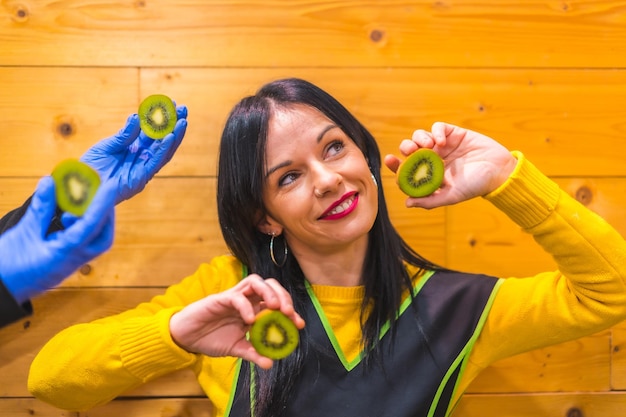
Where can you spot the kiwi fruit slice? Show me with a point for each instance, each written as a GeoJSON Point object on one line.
{"type": "Point", "coordinates": [273, 335]}
{"type": "Point", "coordinates": [421, 174]}
{"type": "Point", "coordinates": [76, 184]}
{"type": "Point", "coordinates": [157, 116]}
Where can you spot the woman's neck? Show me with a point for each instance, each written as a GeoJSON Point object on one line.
{"type": "Point", "coordinates": [342, 268]}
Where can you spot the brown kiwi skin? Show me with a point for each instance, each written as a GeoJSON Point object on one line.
{"type": "Point", "coordinates": [427, 187]}
{"type": "Point", "coordinates": [145, 112]}
{"type": "Point", "coordinates": [263, 320]}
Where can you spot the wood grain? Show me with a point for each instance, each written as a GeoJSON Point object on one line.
{"type": "Point", "coordinates": [322, 33]}
{"type": "Point", "coordinates": [567, 404]}
{"type": "Point", "coordinates": [568, 122]}
{"type": "Point", "coordinates": [523, 405]}
{"type": "Point", "coordinates": [49, 114]}
{"type": "Point", "coordinates": [162, 407]}
{"type": "Point", "coordinates": [618, 357]}
{"type": "Point", "coordinates": [544, 77]}
{"type": "Point", "coordinates": [552, 369]}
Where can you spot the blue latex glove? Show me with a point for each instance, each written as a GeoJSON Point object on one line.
{"type": "Point", "coordinates": [130, 159]}
{"type": "Point", "coordinates": [31, 262]}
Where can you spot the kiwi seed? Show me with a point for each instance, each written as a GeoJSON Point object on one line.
{"type": "Point", "coordinates": [273, 334]}
{"type": "Point", "coordinates": [76, 184]}
{"type": "Point", "coordinates": [421, 174]}
{"type": "Point", "coordinates": [157, 116]}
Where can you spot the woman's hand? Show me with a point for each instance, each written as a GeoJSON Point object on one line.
{"type": "Point", "coordinates": [217, 325]}
{"type": "Point", "coordinates": [475, 164]}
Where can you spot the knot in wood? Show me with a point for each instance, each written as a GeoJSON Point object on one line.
{"type": "Point", "coordinates": [85, 269]}
{"type": "Point", "coordinates": [65, 129]}
{"type": "Point", "coordinates": [20, 14]}
{"type": "Point", "coordinates": [584, 195]}
{"type": "Point", "coordinates": [574, 412]}
{"type": "Point", "coordinates": [377, 35]}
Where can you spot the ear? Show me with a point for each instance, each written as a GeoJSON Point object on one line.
{"type": "Point", "coordinates": [267, 225]}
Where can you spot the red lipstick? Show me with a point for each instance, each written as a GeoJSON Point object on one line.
{"type": "Point", "coordinates": [342, 207]}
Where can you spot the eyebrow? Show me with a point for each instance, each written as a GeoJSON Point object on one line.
{"type": "Point", "coordinates": [277, 167]}
{"type": "Point", "coordinates": [324, 131]}
{"type": "Point", "coordinates": [288, 162]}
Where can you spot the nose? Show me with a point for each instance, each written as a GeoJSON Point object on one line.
{"type": "Point", "coordinates": [325, 179]}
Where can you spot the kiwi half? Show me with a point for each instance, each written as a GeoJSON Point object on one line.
{"type": "Point", "coordinates": [421, 174]}
{"type": "Point", "coordinates": [157, 116]}
{"type": "Point", "coordinates": [273, 335]}
{"type": "Point", "coordinates": [76, 184]}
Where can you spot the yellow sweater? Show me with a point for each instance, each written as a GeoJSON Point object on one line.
{"type": "Point", "coordinates": [90, 364]}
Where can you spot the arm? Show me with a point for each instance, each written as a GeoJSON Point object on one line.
{"type": "Point", "coordinates": [33, 260]}
{"type": "Point", "coordinates": [10, 309]}
{"type": "Point", "coordinates": [126, 162]}
{"type": "Point", "coordinates": [14, 216]}
{"type": "Point", "coordinates": [207, 313]}
{"type": "Point", "coordinates": [587, 292]}
{"type": "Point", "coordinates": [11, 218]}
{"type": "Point", "coordinates": [114, 354]}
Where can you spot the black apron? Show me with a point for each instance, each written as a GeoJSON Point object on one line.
{"type": "Point", "coordinates": [419, 374]}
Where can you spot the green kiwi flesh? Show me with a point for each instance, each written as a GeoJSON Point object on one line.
{"type": "Point", "coordinates": [273, 334]}
{"type": "Point", "coordinates": [421, 174]}
{"type": "Point", "coordinates": [157, 116]}
{"type": "Point", "coordinates": [76, 184]}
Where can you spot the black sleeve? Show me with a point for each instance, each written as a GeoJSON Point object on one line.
{"type": "Point", "coordinates": [10, 309]}
{"type": "Point", "coordinates": [14, 216]}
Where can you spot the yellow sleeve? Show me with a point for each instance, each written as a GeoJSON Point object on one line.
{"type": "Point", "coordinates": [90, 364]}
{"type": "Point", "coordinates": [585, 295]}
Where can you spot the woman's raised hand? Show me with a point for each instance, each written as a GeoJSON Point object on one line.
{"type": "Point", "coordinates": [217, 325]}
{"type": "Point", "coordinates": [474, 163]}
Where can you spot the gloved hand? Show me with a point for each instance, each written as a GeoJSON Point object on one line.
{"type": "Point", "coordinates": [31, 262]}
{"type": "Point", "coordinates": [130, 159]}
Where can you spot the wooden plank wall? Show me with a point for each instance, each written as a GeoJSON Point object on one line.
{"type": "Point", "coordinates": [546, 77]}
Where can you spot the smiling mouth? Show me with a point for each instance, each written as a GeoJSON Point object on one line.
{"type": "Point", "coordinates": [339, 210]}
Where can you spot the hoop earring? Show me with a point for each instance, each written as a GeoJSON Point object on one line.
{"type": "Point", "coordinates": [373, 176]}
{"type": "Point", "coordinates": [280, 265]}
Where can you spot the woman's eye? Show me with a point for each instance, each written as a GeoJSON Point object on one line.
{"type": "Point", "coordinates": [335, 147]}
{"type": "Point", "coordinates": [287, 179]}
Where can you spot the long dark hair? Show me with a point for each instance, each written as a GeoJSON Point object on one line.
{"type": "Point", "coordinates": [240, 205]}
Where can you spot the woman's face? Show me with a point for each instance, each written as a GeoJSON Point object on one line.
{"type": "Point", "coordinates": [318, 189]}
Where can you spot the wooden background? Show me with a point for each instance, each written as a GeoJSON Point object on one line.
{"type": "Point", "coordinates": [544, 77]}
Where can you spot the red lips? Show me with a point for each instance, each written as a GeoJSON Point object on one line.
{"type": "Point", "coordinates": [342, 207]}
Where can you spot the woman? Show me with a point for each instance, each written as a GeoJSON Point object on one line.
{"type": "Point", "coordinates": [387, 333]}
